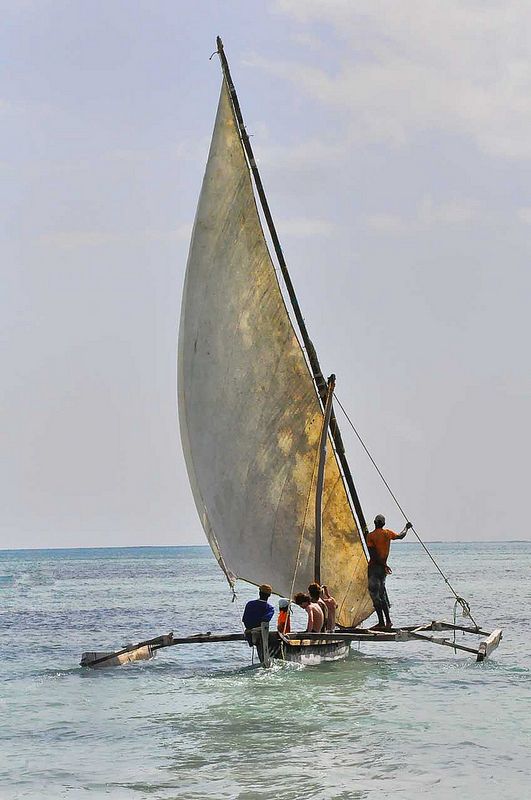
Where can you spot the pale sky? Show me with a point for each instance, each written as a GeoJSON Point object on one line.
{"type": "Point", "coordinates": [394, 141]}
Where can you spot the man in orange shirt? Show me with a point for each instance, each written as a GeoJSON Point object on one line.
{"type": "Point", "coordinates": [378, 544]}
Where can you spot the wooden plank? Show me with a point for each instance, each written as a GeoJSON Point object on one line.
{"type": "Point", "coordinates": [366, 636]}
{"type": "Point", "coordinates": [489, 644]}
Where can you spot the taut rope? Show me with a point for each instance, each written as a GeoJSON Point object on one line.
{"type": "Point", "coordinates": [458, 599]}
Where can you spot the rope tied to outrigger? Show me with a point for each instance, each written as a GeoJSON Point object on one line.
{"type": "Point", "coordinates": [465, 605]}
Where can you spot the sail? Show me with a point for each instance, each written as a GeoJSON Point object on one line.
{"type": "Point", "coordinates": [249, 415]}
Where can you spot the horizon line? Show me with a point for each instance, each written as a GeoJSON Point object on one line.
{"type": "Point", "coordinates": [207, 546]}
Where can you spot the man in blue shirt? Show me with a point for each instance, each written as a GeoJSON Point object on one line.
{"type": "Point", "coordinates": [258, 611]}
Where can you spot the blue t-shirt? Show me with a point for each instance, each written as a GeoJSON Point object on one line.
{"type": "Point", "coordinates": [257, 611]}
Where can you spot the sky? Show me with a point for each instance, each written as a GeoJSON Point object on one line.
{"type": "Point", "coordinates": [394, 142]}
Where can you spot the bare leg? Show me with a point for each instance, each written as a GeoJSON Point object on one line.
{"type": "Point", "coordinates": [381, 623]}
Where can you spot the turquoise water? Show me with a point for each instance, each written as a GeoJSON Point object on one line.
{"type": "Point", "coordinates": [201, 722]}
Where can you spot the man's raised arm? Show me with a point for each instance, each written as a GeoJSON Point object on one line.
{"type": "Point", "coordinates": [402, 534]}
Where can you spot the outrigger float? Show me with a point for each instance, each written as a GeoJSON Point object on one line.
{"type": "Point", "coordinates": [264, 453]}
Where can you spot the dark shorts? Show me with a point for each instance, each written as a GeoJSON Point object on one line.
{"type": "Point", "coordinates": [376, 577]}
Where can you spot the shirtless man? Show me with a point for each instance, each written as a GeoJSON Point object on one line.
{"type": "Point", "coordinates": [314, 611]}
{"type": "Point", "coordinates": [331, 606]}
{"type": "Point", "coordinates": [314, 590]}
{"type": "Point", "coordinates": [378, 543]}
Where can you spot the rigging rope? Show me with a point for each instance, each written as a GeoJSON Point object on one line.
{"type": "Point", "coordinates": [458, 599]}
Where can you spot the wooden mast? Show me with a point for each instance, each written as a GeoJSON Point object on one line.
{"type": "Point", "coordinates": [318, 377]}
{"type": "Point", "coordinates": [320, 479]}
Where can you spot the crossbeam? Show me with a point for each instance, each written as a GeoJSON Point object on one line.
{"type": "Point", "coordinates": [420, 633]}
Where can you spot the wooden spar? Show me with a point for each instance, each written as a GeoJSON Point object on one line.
{"type": "Point", "coordinates": [320, 479]}
{"type": "Point", "coordinates": [157, 643]}
{"type": "Point", "coordinates": [438, 640]}
{"type": "Point", "coordinates": [445, 626]}
{"type": "Point", "coordinates": [206, 638]}
{"type": "Point", "coordinates": [310, 349]}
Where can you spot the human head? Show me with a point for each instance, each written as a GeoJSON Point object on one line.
{"type": "Point", "coordinates": [379, 521]}
{"type": "Point", "coordinates": [264, 591]}
{"type": "Point", "coordinates": [314, 590]}
{"type": "Point", "coordinates": [324, 590]}
{"type": "Point", "coordinates": [301, 599]}
{"type": "Point", "coordinates": [283, 603]}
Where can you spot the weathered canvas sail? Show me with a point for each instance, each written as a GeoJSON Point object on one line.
{"type": "Point", "coordinates": [249, 414]}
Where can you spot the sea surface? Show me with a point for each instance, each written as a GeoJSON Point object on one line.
{"type": "Point", "coordinates": [200, 721]}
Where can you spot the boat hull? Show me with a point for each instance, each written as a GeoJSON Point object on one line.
{"type": "Point", "coordinates": [303, 651]}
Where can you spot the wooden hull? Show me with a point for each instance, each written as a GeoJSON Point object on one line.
{"type": "Point", "coordinates": [303, 651]}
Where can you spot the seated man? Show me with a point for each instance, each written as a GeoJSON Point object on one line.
{"type": "Point", "coordinates": [314, 590]}
{"type": "Point", "coordinates": [257, 611]}
{"type": "Point", "coordinates": [283, 621]}
{"type": "Point", "coordinates": [315, 614]}
{"type": "Point", "coordinates": [331, 606]}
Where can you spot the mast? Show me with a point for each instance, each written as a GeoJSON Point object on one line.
{"type": "Point", "coordinates": [320, 479]}
{"type": "Point", "coordinates": [318, 377]}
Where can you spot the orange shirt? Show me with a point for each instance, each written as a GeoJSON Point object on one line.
{"type": "Point", "coordinates": [379, 542]}
{"type": "Point", "coordinates": [283, 622]}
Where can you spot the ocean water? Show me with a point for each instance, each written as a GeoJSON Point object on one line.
{"type": "Point", "coordinates": [200, 721]}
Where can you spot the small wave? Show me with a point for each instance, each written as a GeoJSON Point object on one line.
{"type": "Point", "coordinates": [31, 579]}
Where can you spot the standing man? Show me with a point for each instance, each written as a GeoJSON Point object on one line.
{"type": "Point", "coordinates": [257, 611]}
{"type": "Point", "coordinates": [378, 543]}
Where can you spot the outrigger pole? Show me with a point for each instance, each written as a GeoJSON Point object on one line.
{"type": "Point", "coordinates": [145, 650]}
{"type": "Point", "coordinates": [317, 373]}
